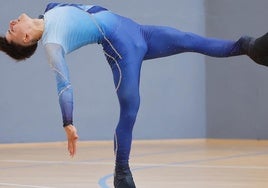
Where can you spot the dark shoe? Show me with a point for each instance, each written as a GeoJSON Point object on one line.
{"type": "Point", "coordinates": [256, 49]}
{"type": "Point", "coordinates": [123, 178]}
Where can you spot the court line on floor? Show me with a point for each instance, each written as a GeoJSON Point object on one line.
{"type": "Point", "coordinates": [186, 164]}
{"type": "Point", "coordinates": [103, 181]}
{"type": "Point", "coordinates": [21, 185]}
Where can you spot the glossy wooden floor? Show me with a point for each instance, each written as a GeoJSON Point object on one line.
{"type": "Point", "coordinates": [155, 164]}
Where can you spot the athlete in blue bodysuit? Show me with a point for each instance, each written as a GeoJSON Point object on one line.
{"type": "Point", "coordinates": [126, 44]}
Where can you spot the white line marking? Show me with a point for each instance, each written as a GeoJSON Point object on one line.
{"type": "Point", "coordinates": [19, 185]}
{"type": "Point", "coordinates": [223, 167]}
{"type": "Point", "coordinates": [137, 165]}
{"type": "Point", "coordinates": [58, 162]}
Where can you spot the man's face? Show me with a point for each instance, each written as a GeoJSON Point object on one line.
{"type": "Point", "coordinates": [18, 29]}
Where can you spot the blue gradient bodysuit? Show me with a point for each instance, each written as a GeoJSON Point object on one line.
{"type": "Point", "coordinates": [126, 44]}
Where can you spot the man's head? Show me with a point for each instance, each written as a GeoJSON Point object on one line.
{"type": "Point", "coordinates": [20, 41]}
{"type": "Point", "coordinates": [21, 31]}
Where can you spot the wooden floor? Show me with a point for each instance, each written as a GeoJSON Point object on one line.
{"type": "Point", "coordinates": [156, 164]}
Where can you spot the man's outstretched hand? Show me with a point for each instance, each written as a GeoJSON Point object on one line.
{"type": "Point", "coordinates": [72, 138]}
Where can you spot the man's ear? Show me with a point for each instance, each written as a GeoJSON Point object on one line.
{"type": "Point", "coordinates": [26, 39]}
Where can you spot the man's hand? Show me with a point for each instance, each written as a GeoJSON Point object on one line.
{"type": "Point", "coordinates": [72, 138]}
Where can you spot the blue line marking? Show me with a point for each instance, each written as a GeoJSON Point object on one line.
{"type": "Point", "coordinates": [103, 180]}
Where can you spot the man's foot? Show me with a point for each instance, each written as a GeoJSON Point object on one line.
{"type": "Point", "coordinates": [123, 178]}
{"type": "Point", "coordinates": [256, 49]}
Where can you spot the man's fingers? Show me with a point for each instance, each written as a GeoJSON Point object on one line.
{"type": "Point", "coordinates": [72, 139]}
{"type": "Point", "coordinates": [72, 145]}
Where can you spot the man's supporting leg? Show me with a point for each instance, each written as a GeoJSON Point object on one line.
{"type": "Point", "coordinates": [129, 100]}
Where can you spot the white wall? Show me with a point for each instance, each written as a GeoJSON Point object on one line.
{"type": "Point", "coordinates": [237, 89]}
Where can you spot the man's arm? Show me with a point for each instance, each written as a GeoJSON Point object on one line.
{"type": "Point", "coordinates": [56, 59]}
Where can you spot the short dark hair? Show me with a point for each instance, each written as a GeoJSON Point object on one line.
{"type": "Point", "coordinates": [16, 51]}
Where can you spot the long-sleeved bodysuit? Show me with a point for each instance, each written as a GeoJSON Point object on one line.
{"type": "Point", "coordinates": [126, 44]}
